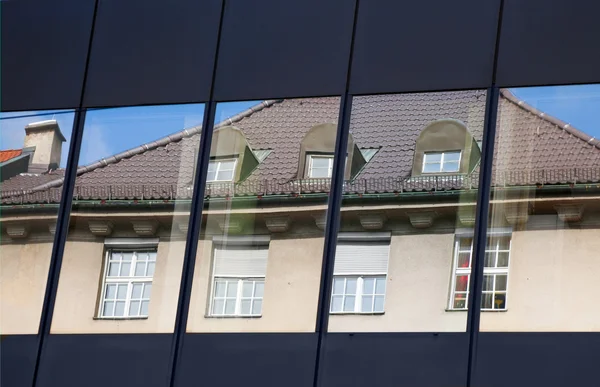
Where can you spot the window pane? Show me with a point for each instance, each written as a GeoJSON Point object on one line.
{"type": "Point", "coordinates": [229, 306]}
{"type": "Point", "coordinates": [145, 305]}
{"type": "Point", "coordinates": [271, 210]}
{"type": "Point", "coordinates": [259, 289]}
{"type": "Point", "coordinates": [351, 286]}
{"type": "Point", "coordinates": [134, 308]}
{"type": "Point", "coordinates": [380, 289]}
{"type": "Point", "coordinates": [451, 167]}
{"type": "Point", "coordinates": [108, 309]}
{"type": "Point", "coordinates": [462, 283]}
{"type": "Point", "coordinates": [349, 304]}
{"type": "Point", "coordinates": [336, 303]}
{"type": "Point", "coordinates": [125, 269]}
{"type": "Point", "coordinates": [232, 289]}
{"type": "Point", "coordinates": [433, 157]}
{"type": "Point", "coordinates": [338, 285]}
{"type": "Point", "coordinates": [225, 176]}
{"type": "Point", "coordinates": [110, 292]}
{"type": "Point", "coordinates": [257, 307]}
{"type": "Point", "coordinates": [501, 282]}
{"type": "Point", "coordinates": [367, 304]}
{"type": "Point", "coordinates": [121, 292]}
{"type": "Point", "coordinates": [131, 200]}
{"type": "Point", "coordinates": [137, 291]}
{"type": "Point", "coordinates": [488, 282]}
{"type": "Point", "coordinates": [247, 289]}
{"type": "Point", "coordinates": [147, 290]}
{"type": "Point", "coordinates": [431, 168]}
{"type": "Point", "coordinates": [414, 222]}
{"type": "Point", "coordinates": [246, 306]}
{"type": "Point", "coordinates": [368, 285]}
{"type": "Point", "coordinates": [219, 289]}
{"type": "Point", "coordinates": [218, 306]}
{"type": "Point", "coordinates": [379, 301]}
{"type": "Point", "coordinates": [503, 259]}
{"type": "Point", "coordinates": [320, 173]}
{"type": "Point", "coordinates": [140, 269]}
{"type": "Point", "coordinates": [119, 308]}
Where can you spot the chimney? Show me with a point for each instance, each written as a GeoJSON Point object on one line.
{"type": "Point", "coordinates": [45, 139]}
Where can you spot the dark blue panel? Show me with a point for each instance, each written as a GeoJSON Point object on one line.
{"type": "Point", "coordinates": [243, 359]}
{"type": "Point", "coordinates": [395, 359]}
{"type": "Point", "coordinates": [17, 359]}
{"type": "Point", "coordinates": [538, 359]}
{"type": "Point", "coordinates": [44, 50]}
{"type": "Point", "coordinates": [115, 360]}
{"type": "Point", "coordinates": [549, 42]}
{"type": "Point", "coordinates": [423, 45]}
{"type": "Point", "coordinates": [284, 49]}
{"type": "Point", "coordinates": [152, 52]}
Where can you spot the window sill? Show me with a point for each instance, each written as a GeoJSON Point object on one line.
{"type": "Point", "coordinates": [483, 310]}
{"type": "Point", "coordinates": [232, 317]}
{"type": "Point", "coordinates": [121, 318]}
{"type": "Point", "coordinates": [356, 314]}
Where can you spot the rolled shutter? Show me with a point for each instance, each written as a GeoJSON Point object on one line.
{"type": "Point", "coordinates": [241, 261]}
{"type": "Point", "coordinates": [353, 258]}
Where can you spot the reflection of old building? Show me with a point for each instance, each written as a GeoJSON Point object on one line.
{"type": "Point", "coordinates": [405, 247]}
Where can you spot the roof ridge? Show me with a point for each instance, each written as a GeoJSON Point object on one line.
{"type": "Point", "coordinates": [594, 142]}
{"type": "Point", "coordinates": [178, 136]}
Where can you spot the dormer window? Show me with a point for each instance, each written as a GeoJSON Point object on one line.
{"type": "Point", "coordinates": [441, 162]}
{"type": "Point", "coordinates": [221, 170]}
{"type": "Point", "coordinates": [320, 166]}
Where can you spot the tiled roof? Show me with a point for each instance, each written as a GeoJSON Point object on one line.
{"type": "Point", "coordinates": [531, 148]}
{"type": "Point", "coordinates": [6, 155]}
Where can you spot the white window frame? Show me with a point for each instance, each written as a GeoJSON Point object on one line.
{"type": "Point", "coordinates": [238, 297]}
{"type": "Point", "coordinates": [218, 168]}
{"type": "Point", "coordinates": [311, 157]}
{"type": "Point", "coordinates": [442, 161]}
{"type": "Point", "coordinates": [493, 271]}
{"type": "Point", "coordinates": [128, 280]}
{"type": "Point", "coordinates": [241, 240]}
{"type": "Point", "coordinates": [358, 296]}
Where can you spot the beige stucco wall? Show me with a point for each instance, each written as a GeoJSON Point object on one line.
{"type": "Point", "coordinates": [79, 284]}
{"type": "Point", "coordinates": [554, 283]}
{"type": "Point", "coordinates": [23, 276]}
{"type": "Point", "coordinates": [291, 290]}
{"type": "Point", "coordinates": [418, 283]}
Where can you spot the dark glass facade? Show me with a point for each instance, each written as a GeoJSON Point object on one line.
{"type": "Point", "coordinates": [306, 193]}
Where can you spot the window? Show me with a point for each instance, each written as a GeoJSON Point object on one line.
{"type": "Point", "coordinates": [364, 294]}
{"type": "Point", "coordinates": [437, 162]}
{"type": "Point", "coordinates": [360, 275]}
{"type": "Point", "coordinates": [239, 280]}
{"type": "Point", "coordinates": [495, 273]}
{"type": "Point", "coordinates": [127, 283]}
{"type": "Point", "coordinates": [320, 166]}
{"type": "Point", "coordinates": [221, 170]}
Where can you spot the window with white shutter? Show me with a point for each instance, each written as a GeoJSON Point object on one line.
{"type": "Point", "coordinates": [360, 275]}
{"type": "Point", "coordinates": [238, 279]}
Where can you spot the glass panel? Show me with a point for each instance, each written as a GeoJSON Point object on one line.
{"type": "Point", "coordinates": [338, 285]}
{"type": "Point", "coordinates": [349, 304]}
{"type": "Point", "coordinates": [108, 309]}
{"type": "Point", "coordinates": [257, 307]}
{"type": "Point", "coordinates": [247, 289]}
{"type": "Point", "coordinates": [111, 291]}
{"type": "Point", "coordinates": [545, 211]}
{"type": "Point", "coordinates": [259, 289]}
{"type": "Point", "coordinates": [351, 286]}
{"type": "Point", "coordinates": [132, 199]}
{"type": "Point", "coordinates": [145, 306]}
{"type": "Point", "coordinates": [267, 224]}
{"type": "Point", "coordinates": [232, 288]}
{"type": "Point", "coordinates": [113, 269]}
{"type": "Point", "coordinates": [134, 308]}
{"type": "Point", "coordinates": [33, 154]}
{"type": "Point", "coordinates": [336, 303]}
{"type": "Point", "coordinates": [229, 306]}
{"type": "Point", "coordinates": [367, 304]}
{"type": "Point", "coordinates": [122, 292]}
{"type": "Point", "coordinates": [147, 290]}
{"type": "Point", "coordinates": [246, 304]}
{"type": "Point", "coordinates": [218, 306]}
{"type": "Point", "coordinates": [368, 285]}
{"type": "Point", "coordinates": [404, 218]}
{"type": "Point", "coordinates": [220, 289]}
{"type": "Point", "coordinates": [379, 301]}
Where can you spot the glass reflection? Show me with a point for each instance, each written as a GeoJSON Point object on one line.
{"type": "Point", "coordinates": [259, 257]}
{"type": "Point", "coordinates": [541, 271]}
{"type": "Point", "coordinates": [408, 212]}
{"type": "Point", "coordinates": [33, 154]}
{"type": "Point", "coordinates": [124, 252]}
